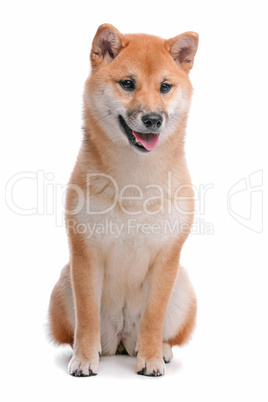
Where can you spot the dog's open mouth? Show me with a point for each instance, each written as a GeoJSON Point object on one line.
{"type": "Point", "coordinates": [141, 141]}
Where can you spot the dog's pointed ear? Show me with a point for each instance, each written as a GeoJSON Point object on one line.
{"type": "Point", "coordinates": [183, 49]}
{"type": "Point", "coordinates": [106, 45]}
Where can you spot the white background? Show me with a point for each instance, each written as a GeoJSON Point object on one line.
{"type": "Point", "coordinates": [44, 63]}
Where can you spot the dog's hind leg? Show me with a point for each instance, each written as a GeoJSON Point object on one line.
{"type": "Point", "coordinates": [61, 310]}
{"type": "Point", "coordinates": [167, 352]}
{"type": "Point", "coordinates": [181, 314]}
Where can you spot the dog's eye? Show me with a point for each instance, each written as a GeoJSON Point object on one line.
{"type": "Point", "coordinates": [127, 85]}
{"type": "Point", "coordinates": [165, 87]}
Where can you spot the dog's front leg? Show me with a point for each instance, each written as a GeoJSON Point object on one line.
{"type": "Point", "coordinates": [87, 280]}
{"type": "Point", "coordinates": [162, 277]}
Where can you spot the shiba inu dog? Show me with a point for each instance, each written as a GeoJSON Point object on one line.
{"type": "Point", "coordinates": [129, 207]}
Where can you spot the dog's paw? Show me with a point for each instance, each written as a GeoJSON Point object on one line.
{"type": "Point", "coordinates": [152, 367]}
{"type": "Point", "coordinates": [83, 368]}
{"type": "Point", "coordinates": [167, 352]}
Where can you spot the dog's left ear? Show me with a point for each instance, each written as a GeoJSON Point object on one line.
{"type": "Point", "coordinates": [183, 49]}
{"type": "Point", "coordinates": [106, 45]}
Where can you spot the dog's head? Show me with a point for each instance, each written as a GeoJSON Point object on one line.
{"type": "Point", "coordinates": [139, 90]}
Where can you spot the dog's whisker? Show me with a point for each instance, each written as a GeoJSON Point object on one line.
{"type": "Point", "coordinates": [103, 117]}
{"type": "Point", "coordinates": [94, 122]}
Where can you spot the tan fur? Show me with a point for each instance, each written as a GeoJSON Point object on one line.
{"type": "Point", "coordinates": [114, 285]}
{"type": "Point", "coordinates": [62, 330]}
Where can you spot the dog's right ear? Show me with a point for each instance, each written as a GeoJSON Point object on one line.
{"type": "Point", "coordinates": [106, 45]}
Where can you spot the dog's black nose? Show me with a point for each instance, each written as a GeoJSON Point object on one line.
{"type": "Point", "coordinates": [152, 121]}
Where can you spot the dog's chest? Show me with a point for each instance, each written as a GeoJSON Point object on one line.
{"type": "Point", "coordinates": [128, 235]}
{"type": "Point", "coordinates": [129, 230]}
{"type": "Point", "coordinates": [131, 224]}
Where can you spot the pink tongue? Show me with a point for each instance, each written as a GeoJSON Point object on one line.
{"type": "Point", "coordinates": [149, 141]}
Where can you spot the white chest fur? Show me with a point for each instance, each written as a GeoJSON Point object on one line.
{"type": "Point", "coordinates": [130, 225]}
